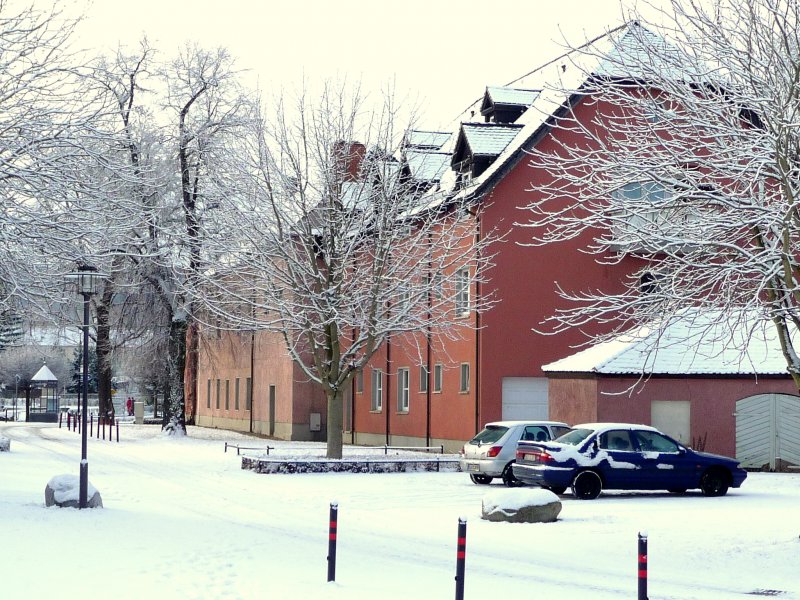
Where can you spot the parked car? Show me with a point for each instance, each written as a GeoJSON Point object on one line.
{"type": "Point", "coordinates": [619, 456]}
{"type": "Point", "coordinates": [491, 453]}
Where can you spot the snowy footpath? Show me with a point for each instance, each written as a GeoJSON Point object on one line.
{"type": "Point", "coordinates": [182, 520]}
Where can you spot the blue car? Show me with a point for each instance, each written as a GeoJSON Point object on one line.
{"type": "Point", "coordinates": [619, 456]}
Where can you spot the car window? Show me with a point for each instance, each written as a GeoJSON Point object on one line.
{"type": "Point", "coordinates": [489, 435]}
{"type": "Point", "coordinates": [617, 439]}
{"type": "Point", "coordinates": [652, 441]}
{"type": "Point", "coordinates": [535, 433]}
{"type": "Point", "coordinates": [559, 430]}
{"type": "Point", "coordinates": [575, 436]}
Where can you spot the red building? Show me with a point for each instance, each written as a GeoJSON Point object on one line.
{"type": "Point", "coordinates": [495, 371]}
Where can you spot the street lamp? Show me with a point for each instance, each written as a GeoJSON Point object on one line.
{"type": "Point", "coordinates": [86, 278]}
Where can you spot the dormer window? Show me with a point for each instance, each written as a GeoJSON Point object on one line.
{"type": "Point", "coordinates": [506, 105]}
{"type": "Point", "coordinates": [479, 144]}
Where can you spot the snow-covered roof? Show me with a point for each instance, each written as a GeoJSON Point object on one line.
{"type": "Point", "coordinates": [427, 166]}
{"type": "Point", "coordinates": [488, 139]}
{"type": "Point", "coordinates": [709, 342]}
{"type": "Point", "coordinates": [511, 96]}
{"type": "Point", "coordinates": [641, 53]}
{"type": "Point", "coordinates": [44, 375]}
{"type": "Point", "coordinates": [433, 140]}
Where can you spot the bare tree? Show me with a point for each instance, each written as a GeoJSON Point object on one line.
{"type": "Point", "coordinates": [689, 163]}
{"type": "Point", "coordinates": [211, 111]}
{"type": "Point", "coordinates": [326, 243]}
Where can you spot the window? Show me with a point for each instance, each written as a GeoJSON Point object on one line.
{"type": "Point", "coordinates": [437, 378]}
{"type": "Point", "coordinates": [423, 378]}
{"type": "Point", "coordinates": [227, 394]}
{"type": "Point", "coordinates": [402, 390]}
{"type": "Point", "coordinates": [462, 292]}
{"type": "Point", "coordinates": [236, 395]}
{"type": "Point", "coordinates": [619, 440]}
{"type": "Point", "coordinates": [464, 387]}
{"type": "Point", "coordinates": [377, 390]}
{"type": "Point", "coordinates": [248, 398]}
{"type": "Point", "coordinates": [651, 441]}
{"type": "Point", "coordinates": [218, 392]}
{"type": "Point", "coordinates": [647, 210]}
{"type": "Point", "coordinates": [208, 395]}
{"type": "Point", "coordinates": [360, 381]}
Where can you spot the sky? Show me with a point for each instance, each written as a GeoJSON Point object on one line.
{"type": "Point", "coordinates": [181, 519]}
{"type": "Point", "coordinates": [440, 53]}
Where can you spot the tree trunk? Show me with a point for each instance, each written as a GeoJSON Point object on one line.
{"type": "Point", "coordinates": [335, 423]}
{"type": "Point", "coordinates": [103, 350]}
{"type": "Point", "coordinates": [190, 372]}
{"type": "Point", "coordinates": [174, 417]}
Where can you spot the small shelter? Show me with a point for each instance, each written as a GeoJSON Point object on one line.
{"type": "Point", "coordinates": [43, 405]}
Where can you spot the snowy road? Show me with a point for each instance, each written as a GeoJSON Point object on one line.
{"type": "Point", "coordinates": [182, 520]}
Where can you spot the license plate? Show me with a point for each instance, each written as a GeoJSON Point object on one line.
{"type": "Point", "coordinates": [472, 467]}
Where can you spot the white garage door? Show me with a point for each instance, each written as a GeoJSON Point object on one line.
{"type": "Point", "coordinates": [768, 430]}
{"type": "Point", "coordinates": [525, 398]}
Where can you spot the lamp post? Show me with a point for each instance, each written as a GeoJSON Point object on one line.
{"type": "Point", "coordinates": [86, 278]}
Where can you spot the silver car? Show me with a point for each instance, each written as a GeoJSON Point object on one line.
{"type": "Point", "coordinates": [491, 453]}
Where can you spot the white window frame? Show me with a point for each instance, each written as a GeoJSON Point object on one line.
{"type": "Point", "coordinates": [403, 389]}
{"type": "Point", "coordinates": [360, 381]}
{"type": "Point", "coordinates": [465, 374]}
{"type": "Point", "coordinates": [376, 403]}
{"type": "Point", "coordinates": [423, 378]}
{"type": "Point", "coordinates": [437, 378]}
{"type": "Point", "coordinates": [462, 292]}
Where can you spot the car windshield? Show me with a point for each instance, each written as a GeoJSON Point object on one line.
{"type": "Point", "coordinates": [574, 436]}
{"type": "Point", "coordinates": [489, 435]}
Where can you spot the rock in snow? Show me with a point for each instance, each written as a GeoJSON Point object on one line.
{"type": "Point", "coordinates": [521, 505]}
{"type": "Point", "coordinates": [5, 444]}
{"type": "Point", "coordinates": [64, 491]}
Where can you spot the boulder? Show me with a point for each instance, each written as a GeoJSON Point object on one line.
{"type": "Point", "coordinates": [521, 505]}
{"type": "Point", "coordinates": [5, 444]}
{"type": "Point", "coordinates": [64, 491]}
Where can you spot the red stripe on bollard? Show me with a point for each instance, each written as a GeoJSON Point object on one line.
{"type": "Point", "coordinates": [461, 556]}
{"type": "Point", "coordinates": [334, 517]}
{"type": "Point", "coordinates": [642, 566]}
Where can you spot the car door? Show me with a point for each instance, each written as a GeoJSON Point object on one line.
{"type": "Point", "coordinates": [665, 464]}
{"type": "Point", "coordinates": [622, 468]}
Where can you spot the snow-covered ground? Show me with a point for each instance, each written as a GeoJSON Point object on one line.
{"type": "Point", "coordinates": [182, 520]}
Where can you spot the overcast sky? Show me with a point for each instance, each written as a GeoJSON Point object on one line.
{"type": "Point", "coordinates": [443, 52]}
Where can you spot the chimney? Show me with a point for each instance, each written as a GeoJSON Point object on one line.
{"type": "Point", "coordinates": [349, 156]}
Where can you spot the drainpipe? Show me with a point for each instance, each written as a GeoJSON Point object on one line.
{"type": "Point", "coordinates": [388, 386]}
{"type": "Point", "coordinates": [353, 397]}
{"type": "Point", "coordinates": [428, 355]}
{"type": "Point", "coordinates": [252, 378]}
{"type": "Point", "coordinates": [477, 327]}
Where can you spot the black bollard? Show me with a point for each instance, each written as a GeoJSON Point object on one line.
{"type": "Point", "coordinates": [91, 425]}
{"type": "Point", "coordinates": [461, 558]}
{"type": "Point", "coordinates": [118, 431]}
{"type": "Point", "coordinates": [334, 516]}
{"type": "Point", "coordinates": [642, 566]}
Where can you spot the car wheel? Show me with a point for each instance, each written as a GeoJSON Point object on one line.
{"type": "Point", "coordinates": [556, 489]}
{"type": "Point", "coordinates": [481, 479]}
{"type": "Point", "coordinates": [587, 485]}
{"type": "Point", "coordinates": [508, 477]}
{"type": "Point", "coordinates": [714, 483]}
{"type": "Point", "coordinates": [677, 490]}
